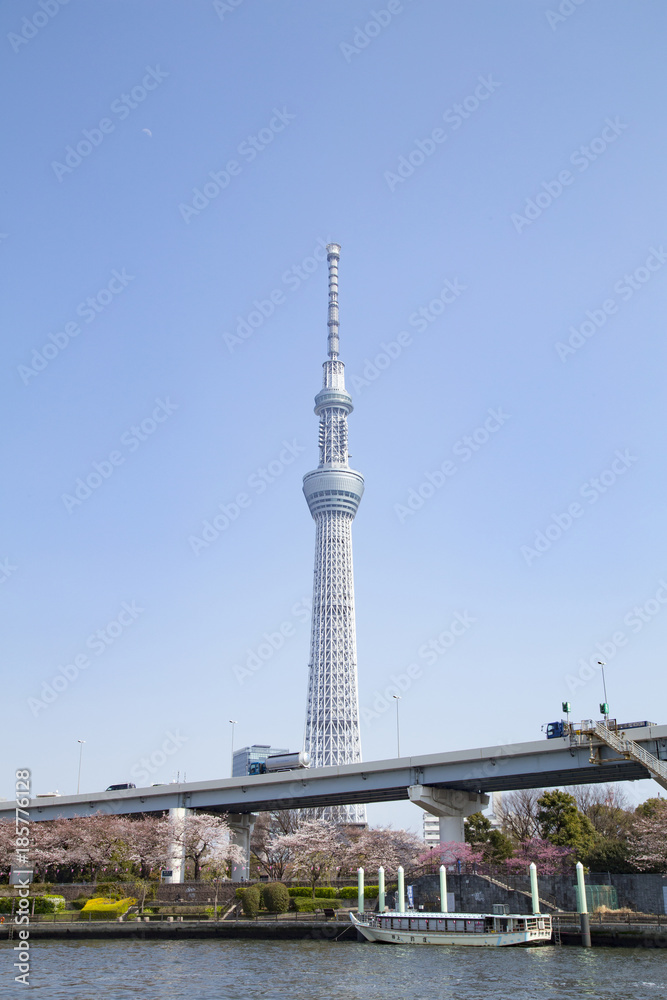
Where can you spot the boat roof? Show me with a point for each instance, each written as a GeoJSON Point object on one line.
{"type": "Point", "coordinates": [454, 914]}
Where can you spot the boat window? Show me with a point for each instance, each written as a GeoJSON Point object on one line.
{"type": "Point", "coordinates": [422, 925]}
{"type": "Point", "coordinates": [451, 925]}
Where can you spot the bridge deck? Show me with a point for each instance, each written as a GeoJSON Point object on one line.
{"type": "Point", "coordinates": [540, 764]}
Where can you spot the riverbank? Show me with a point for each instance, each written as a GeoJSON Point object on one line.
{"type": "Point", "coordinates": [603, 935]}
{"type": "Point", "coordinates": [163, 930]}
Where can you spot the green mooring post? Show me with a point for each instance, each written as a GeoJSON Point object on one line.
{"type": "Point", "coordinates": [533, 888]}
{"type": "Point", "coordinates": [380, 890]}
{"type": "Point", "coordinates": [443, 889]}
{"type": "Point", "coordinates": [400, 900]}
{"type": "Point", "coordinates": [360, 890]}
{"type": "Point", "coordinates": [583, 907]}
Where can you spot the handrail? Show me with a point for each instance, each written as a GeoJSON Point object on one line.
{"type": "Point", "coordinates": [629, 748]}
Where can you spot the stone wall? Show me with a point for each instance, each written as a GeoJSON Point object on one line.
{"type": "Point", "coordinates": [474, 894]}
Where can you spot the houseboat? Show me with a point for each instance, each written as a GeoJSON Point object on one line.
{"type": "Point", "coordinates": [478, 929]}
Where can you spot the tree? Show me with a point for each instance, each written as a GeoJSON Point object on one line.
{"type": "Point", "coordinates": [652, 808]}
{"type": "Point", "coordinates": [207, 842]}
{"type": "Point", "coordinates": [270, 856]}
{"type": "Point", "coordinates": [548, 858]}
{"type": "Point", "coordinates": [313, 851]}
{"type": "Point", "coordinates": [561, 823]}
{"type": "Point", "coordinates": [451, 854]}
{"type": "Point", "coordinates": [376, 848]}
{"type": "Point", "coordinates": [518, 813]}
{"type": "Point", "coordinates": [477, 828]}
{"type": "Point", "coordinates": [149, 843]}
{"type": "Point", "coordinates": [495, 845]}
{"type": "Point", "coordinates": [647, 842]}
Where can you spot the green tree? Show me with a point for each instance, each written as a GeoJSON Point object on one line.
{"type": "Point", "coordinates": [477, 828]}
{"type": "Point", "coordinates": [651, 809]}
{"type": "Point", "coordinates": [496, 845]}
{"type": "Point", "coordinates": [562, 824]}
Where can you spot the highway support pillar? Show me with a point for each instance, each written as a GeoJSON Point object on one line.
{"type": "Point", "coordinates": [451, 805]}
{"type": "Point", "coordinates": [241, 825]}
{"type": "Point", "coordinates": [178, 819]}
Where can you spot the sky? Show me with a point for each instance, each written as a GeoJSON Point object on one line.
{"type": "Point", "coordinates": [494, 173]}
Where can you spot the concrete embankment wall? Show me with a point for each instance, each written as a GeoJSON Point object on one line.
{"type": "Point", "coordinates": [162, 930]}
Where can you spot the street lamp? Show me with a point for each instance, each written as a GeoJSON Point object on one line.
{"type": "Point", "coordinates": [398, 735]}
{"type": "Point", "coordinates": [233, 722]}
{"type": "Point", "coordinates": [604, 707]}
{"type": "Point", "coordinates": [78, 781]}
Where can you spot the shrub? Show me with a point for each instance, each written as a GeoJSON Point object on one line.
{"type": "Point", "coordinates": [102, 908]}
{"type": "Point", "coordinates": [310, 905]}
{"type": "Point", "coordinates": [250, 900]}
{"type": "Point", "coordinates": [301, 890]}
{"type": "Point", "coordinates": [325, 892]}
{"type": "Point", "coordinates": [43, 904]}
{"type": "Point", "coordinates": [275, 897]}
{"type": "Point", "coordinates": [49, 904]}
{"type": "Point", "coordinates": [350, 892]}
{"type": "Point", "coordinates": [80, 902]}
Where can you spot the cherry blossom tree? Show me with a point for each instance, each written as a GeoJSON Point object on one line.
{"type": "Point", "coordinates": [7, 845]}
{"type": "Point", "coordinates": [149, 843]}
{"type": "Point", "coordinates": [549, 858]}
{"type": "Point", "coordinates": [451, 854]}
{"type": "Point", "coordinates": [314, 851]}
{"type": "Point", "coordinates": [375, 848]}
{"type": "Point", "coordinates": [207, 842]}
{"type": "Point", "coordinates": [648, 841]}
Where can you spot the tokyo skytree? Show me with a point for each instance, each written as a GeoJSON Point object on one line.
{"type": "Point", "coordinates": [333, 492]}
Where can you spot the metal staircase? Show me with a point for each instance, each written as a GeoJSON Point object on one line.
{"type": "Point", "coordinates": [632, 751]}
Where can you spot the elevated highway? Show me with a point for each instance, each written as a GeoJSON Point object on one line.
{"type": "Point", "coordinates": [467, 774]}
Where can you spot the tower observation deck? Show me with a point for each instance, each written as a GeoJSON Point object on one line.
{"type": "Point", "coordinates": [333, 492]}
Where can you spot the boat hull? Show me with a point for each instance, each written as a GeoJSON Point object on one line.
{"type": "Point", "coordinates": [489, 939]}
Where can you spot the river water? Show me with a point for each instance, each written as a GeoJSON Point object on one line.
{"type": "Point", "coordinates": [312, 970]}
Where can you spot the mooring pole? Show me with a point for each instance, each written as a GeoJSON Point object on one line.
{"type": "Point", "coordinates": [443, 890]}
{"type": "Point", "coordinates": [380, 890]}
{"type": "Point", "coordinates": [360, 890]}
{"type": "Point", "coordinates": [533, 888]}
{"type": "Point", "coordinates": [583, 907]}
{"type": "Point", "coordinates": [400, 901]}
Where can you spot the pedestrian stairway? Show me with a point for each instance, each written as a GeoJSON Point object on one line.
{"type": "Point", "coordinates": [632, 751]}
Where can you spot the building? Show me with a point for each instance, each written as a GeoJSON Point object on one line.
{"type": "Point", "coordinates": [333, 492]}
{"type": "Point", "coordinates": [431, 830]}
{"type": "Point", "coordinates": [249, 755]}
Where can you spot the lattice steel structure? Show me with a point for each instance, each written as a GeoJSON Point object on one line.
{"type": "Point", "coordinates": [333, 492]}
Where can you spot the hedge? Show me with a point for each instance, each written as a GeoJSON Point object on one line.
{"type": "Point", "coordinates": [319, 903]}
{"type": "Point", "coordinates": [102, 908]}
{"type": "Point", "coordinates": [43, 904]}
{"type": "Point", "coordinates": [350, 892]}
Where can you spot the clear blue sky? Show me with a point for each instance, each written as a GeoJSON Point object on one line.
{"type": "Point", "coordinates": [516, 154]}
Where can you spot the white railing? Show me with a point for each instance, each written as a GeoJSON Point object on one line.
{"type": "Point", "coordinates": [629, 748]}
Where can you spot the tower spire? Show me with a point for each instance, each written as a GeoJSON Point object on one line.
{"type": "Point", "coordinates": [333, 492]}
{"type": "Point", "coordinates": [333, 256]}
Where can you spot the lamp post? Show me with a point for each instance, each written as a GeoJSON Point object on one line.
{"type": "Point", "coordinates": [233, 722]}
{"type": "Point", "coordinates": [398, 735]}
{"type": "Point", "coordinates": [604, 707]}
{"type": "Point", "coordinates": [78, 780]}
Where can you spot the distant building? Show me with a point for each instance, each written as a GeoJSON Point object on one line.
{"type": "Point", "coordinates": [250, 755]}
{"type": "Point", "coordinates": [431, 830]}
